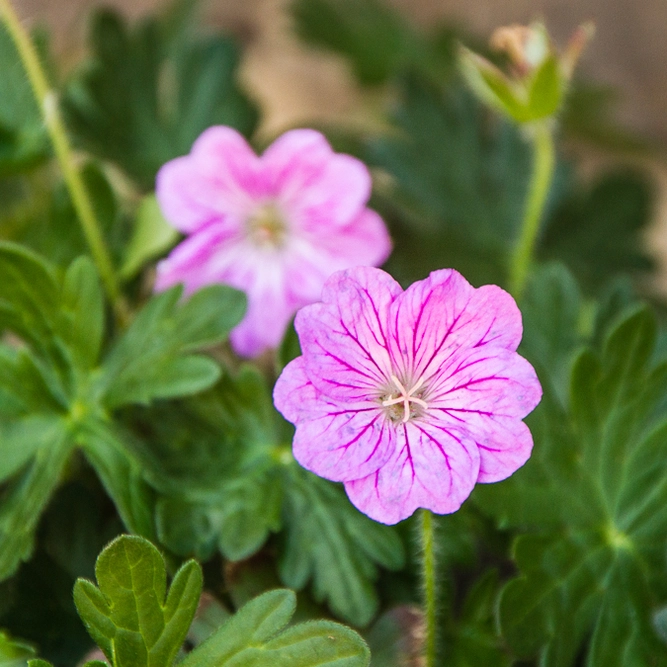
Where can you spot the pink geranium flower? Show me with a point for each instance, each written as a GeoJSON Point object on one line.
{"type": "Point", "coordinates": [409, 397]}
{"type": "Point", "coordinates": [275, 226]}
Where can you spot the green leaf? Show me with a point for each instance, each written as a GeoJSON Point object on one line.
{"type": "Point", "coordinates": [547, 88]}
{"type": "Point", "coordinates": [83, 312]}
{"type": "Point", "coordinates": [23, 138]}
{"type": "Point", "coordinates": [552, 322]}
{"type": "Point", "coordinates": [252, 638]}
{"type": "Point", "coordinates": [152, 236]}
{"type": "Point", "coordinates": [217, 461]}
{"type": "Point", "coordinates": [131, 616]}
{"type": "Point", "coordinates": [332, 543]}
{"type": "Point", "coordinates": [598, 230]}
{"type": "Point", "coordinates": [149, 123]}
{"type": "Point", "coordinates": [238, 520]}
{"type": "Point", "coordinates": [28, 296]}
{"type": "Point", "coordinates": [492, 86]}
{"type": "Point", "coordinates": [24, 497]}
{"type": "Point", "coordinates": [14, 653]}
{"type": "Point", "coordinates": [51, 226]}
{"type": "Point", "coordinates": [594, 496]}
{"type": "Point", "coordinates": [109, 452]}
{"type": "Point", "coordinates": [472, 638]}
{"type": "Point", "coordinates": [150, 361]}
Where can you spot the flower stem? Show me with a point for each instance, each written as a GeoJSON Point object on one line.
{"type": "Point", "coordinates": [48, 104]}
{"type": "Point", "coordinates": [538, 190]}
{"type": "Point", "coordinates": [429, 587]}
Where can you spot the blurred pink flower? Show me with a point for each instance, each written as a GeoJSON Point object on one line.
{"type": "Point", "coordinates": [409, 397]}
{"type": "Point", "coordinates": [275, 226]}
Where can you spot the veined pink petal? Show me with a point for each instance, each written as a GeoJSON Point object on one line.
{"type": "Point", "coordinates": [294, 395]}
{"type": "Point", "coordinates": [484, 380]}
{"type": "Point", "coordinates": [444, 313]}
{"type": "Point", "coordinates": [343, 338]}
{"type": "Point", "coordinates": [433, 467]}
{"type": "Point", "coordinates": [504, 445]}
{"type": "Point", "coordinates": [312, 183]}
{"type": "Point", "coordinates": [333, 440]}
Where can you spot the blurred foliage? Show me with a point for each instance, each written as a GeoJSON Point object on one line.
{"type": "Point", "coordinates": [23, 139]}
{"type": "Point", "coordinates": [239, 483]}
{"type": "Point", "coordinates": [173, 88]}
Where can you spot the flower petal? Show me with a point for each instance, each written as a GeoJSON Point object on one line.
{"type": "Point", "coordinates": [223, 156]}
{"type": "Point", "coordinates": [294, 395]}
{"type": "Point", "coordinates": [337, 442]}
{"type": "Point", "coordinates": [311, 259]}
{"type": "Point", "coordinates": [444, 313]}
{"type": "Point", "coordinates": [343, 338]}
{"type": "Point", "coordinates": [433, 466]}
{"type": "Point", "coordinates": [187, 262]}
{"type": "Point", "coordinates": [485, 380]}
{"type": "Point", "coordinates": [311, 182]}
{"type": "Point", "coordinates": [504, 446]}
{"type": "Point", "coordinates": [218, 181]}
{"type": "Point", "coordinates": [186, 200]}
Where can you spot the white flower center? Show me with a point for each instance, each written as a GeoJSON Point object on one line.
{"type": "Point", "coordinates": [406, 397]}
{"type": "Point", "coordinates": [266, 227]}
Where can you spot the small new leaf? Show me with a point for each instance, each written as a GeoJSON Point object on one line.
{"type": "Point", "coordinates": [130, 616]}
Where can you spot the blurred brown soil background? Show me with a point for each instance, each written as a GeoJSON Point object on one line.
{"type": "Point", "coordinates": [295, 84]}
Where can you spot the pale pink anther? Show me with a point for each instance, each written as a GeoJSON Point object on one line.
{"type": "Point", "coordinates": [409, 397]}
{"type": "Point", "coordinates": [275, 226]}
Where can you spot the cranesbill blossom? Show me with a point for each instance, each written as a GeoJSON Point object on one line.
{"type": "Point", "coordinates": [409, 397]}
{"type": "Point", "coordinates": [275, 226]}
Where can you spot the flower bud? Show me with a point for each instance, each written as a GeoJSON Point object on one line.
{"type": "Point", "coordinates": [538, 77]}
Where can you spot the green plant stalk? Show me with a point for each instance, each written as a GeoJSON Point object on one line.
{"type": "Point", "coordinates": [544, 161]}
{"type": "Point", "coordinates": [48, 104]}
{"type": "Point", "coordinates": [429, 587]}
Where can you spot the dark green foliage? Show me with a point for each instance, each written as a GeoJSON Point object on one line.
{"type": "Point", "coordinates": [137, 623]}
{"type": "Point", "coordinates": [23, 138]}
{"type": "Point", "coordinates": [227, 480]}
{"type": "Point", "coordinates": [57, 391]}
{"type": "Point", "coordinates": [376, 40]}
{"type": "Point", "coordinates": [597, 231]}
{"type": "Point", "coordinates": [459, 185]}
{"type": "Point", "coordinates": [172, 88]}
{"type": "Point", "coordinates": [594, 496]}
{"type": "Point", "coordinates": [53, 230]}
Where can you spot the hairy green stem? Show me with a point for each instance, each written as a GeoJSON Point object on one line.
{"type": "Point", "coordinates": [538, 190]}
{"type": "Point", "coordinates": [429, 587]}
{"type": "Point", "coordinates": [48, 104]}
